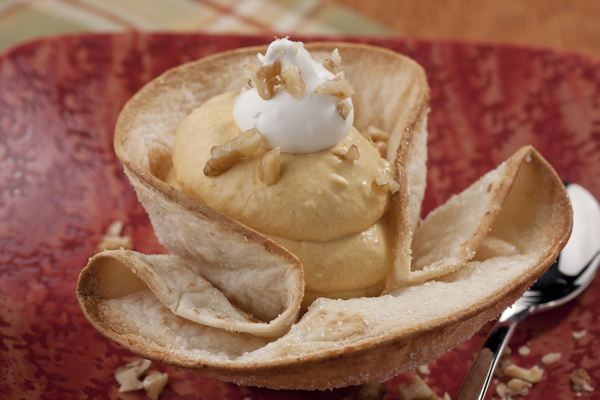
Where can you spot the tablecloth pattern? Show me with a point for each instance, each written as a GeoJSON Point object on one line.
{"type": "Point", "coordinates": [22, 20]}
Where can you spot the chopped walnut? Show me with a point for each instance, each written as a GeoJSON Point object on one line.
{"type": "Point", "coordinates": [533, 374]}
{"type": "Point", "coordinates": [333, 64]}
{"type": "Point", "coordinates": [381, 182]}
{"type": "Point", "coordinates": [128, 375]}
{"type": "Point", "coordinates": [417, 390]}
{"type": "Point", "coordinates": [578, 335]}
{"type": "Point", "coordinates": [264, 78]}
{"type": "Point", "coordinates": [351, 154]}
{"type": "Point", "coordinates": [519, 387]}
{"type": "Point", "coordinates": [372, 391]}
{"type": "Point", "coordinates": [391, 184]}
{"type": "Point", "coordinates": [338, 87]}
{"type": "Point", "coordinates": [115, 229]}
{"type": "Point", "coordinates": [524, 350]}
{"type": "Point", "coordinates": [514, 387]}
{"type": "Point", "coordinates": [551, 358]}
{"type": "Point", "coordinates": [226, 156]}
{"type": "Point", "coordinates": [502, 391]}
{"type": "Point", "coordinates": [394, 186]}
{"type": "Point", "coordinates": [113, 240]}
{"type": "Point", "coordinates": [154, 383]}
{"type": "Point", "coordinates": [423, 370]}
{"type": "Point", "coordinates": [344, 108]}
{"type": "Point", "coordinates": [580, 381]}
{"type": "Point", "coordinates": [329, 65]}
{"type": "Point", "coordinates": [336, 57]}
{"type": "Point", "coordinates": [340, 180]}
{"type": "Point", "coordinates": [376, 134]}
{"type": "Point", "coordinates": [294, 85]}
{"type": "Point", "coordinates": [269, 168]}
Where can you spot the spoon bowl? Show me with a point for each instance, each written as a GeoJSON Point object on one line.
{"type": "Point", "coordinates": [571, 274]}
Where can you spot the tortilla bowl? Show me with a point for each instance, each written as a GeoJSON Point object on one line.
{"type": "Point", "coordinates": [454, 271]}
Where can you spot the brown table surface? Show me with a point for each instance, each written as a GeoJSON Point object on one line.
{"type": "Point", "coordinates": [571, 25]}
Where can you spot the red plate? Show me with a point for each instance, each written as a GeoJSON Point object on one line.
{"type": "Point", "coordinates": [61, 186]}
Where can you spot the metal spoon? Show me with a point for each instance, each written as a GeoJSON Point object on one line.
{"type": "Point", "coordinates": [572, 272]}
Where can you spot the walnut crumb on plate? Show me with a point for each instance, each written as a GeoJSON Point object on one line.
{"type": "Point", "coordinates": [524, 350]}
{"type": "Point", "coordinates": [551, 358]}
{"type": "Point", "coordinates": [532, 375]}
{"type": "Point", "coordinates": [578, 335]}
{"type": "Point", "coordinates": [418, 390]}
{"type": "Point", "coordinates": [113, 240]}
{"type": "Point", "coordinates": [514, 387]}
{"type": "Point", "coordinates": [580, 381]}
{"type": "Point", "coordinates": [128, 376]}
{"type": "Point", "coordinates": [423, 370]}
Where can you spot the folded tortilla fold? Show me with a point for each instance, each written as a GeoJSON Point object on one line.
{"type": "Point", "coordinates": [119, 273]}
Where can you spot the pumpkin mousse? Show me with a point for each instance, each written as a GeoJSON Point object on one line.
{"type": "Point", "coordinates": [328, 200]}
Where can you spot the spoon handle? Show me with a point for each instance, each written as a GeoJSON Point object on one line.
{"type": "Point", "coordinates": [480, 374]}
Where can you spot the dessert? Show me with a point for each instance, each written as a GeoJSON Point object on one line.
{"type": "Point", "coordinates": [225, 303]}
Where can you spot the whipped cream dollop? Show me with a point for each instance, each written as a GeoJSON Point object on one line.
{"type": "Point", "coordinates": [305, 125]}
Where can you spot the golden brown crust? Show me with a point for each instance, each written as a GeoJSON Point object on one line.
{"type": "Point", "coordinates": [377, 361]}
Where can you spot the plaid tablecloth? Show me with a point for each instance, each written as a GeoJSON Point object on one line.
{"type": "Point", "coordinates": [22, 20]}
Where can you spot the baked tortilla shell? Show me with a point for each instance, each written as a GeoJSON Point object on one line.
{"type": "Point", "coordinates": [473, 256]}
